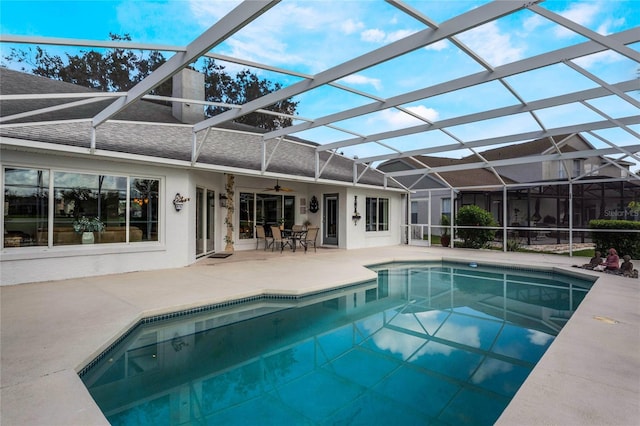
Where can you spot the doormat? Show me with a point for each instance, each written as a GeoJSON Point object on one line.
{"type": "Point", "coordinates": [220, 255]}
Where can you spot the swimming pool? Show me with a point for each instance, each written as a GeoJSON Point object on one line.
{"type": "Point", "coordinates": [424, 343]}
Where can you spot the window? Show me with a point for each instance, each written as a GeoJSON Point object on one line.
{"type": "Point", "coordinates": [143, 214]}
{"type": "Point", "coordinates": [268, 210]}
{"type": "Point", "coordinates": [377, 214]}
{"type": "Point", "coordinates": [247, 215]}
{"type": "Point", "coordinates": [91, 196]}
{"type": "Point", "coordinates": [126, 206]}
{"type": "Point", "coordinates": [446, 207]}
{"type": "Point", "coordinates": [414, 212]}
{"type": "Point", "coordinates": [562, 171]}
{"type": "Point", "coordinates": [577, 168]}
{"type": "Point", "coordinates": [26, 201]}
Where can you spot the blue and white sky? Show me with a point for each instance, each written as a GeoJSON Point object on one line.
{"type": "Point", "coordinates": [313, 35]}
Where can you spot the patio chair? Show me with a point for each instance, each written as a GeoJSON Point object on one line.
{"type": "Point", "coordinates": [312, 236]}
{"type": "Point", "coordinates": [298, 231]}
{"type": "Point", "coordinates": [278, 239]}
{"type": "Point", "coordinates": [262, 235]}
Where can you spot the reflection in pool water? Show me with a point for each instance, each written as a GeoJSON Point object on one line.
{"type": "Point", "coordinates": [425, 343]}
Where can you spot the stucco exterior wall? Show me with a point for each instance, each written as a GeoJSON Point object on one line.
{"type": "Point", "coordinates": [176, 229]}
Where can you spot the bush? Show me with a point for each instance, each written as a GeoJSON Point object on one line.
{"type": "Point", "coordinates": [513, 245]}
{"type": "Point", "coordinates": [475, 216]}
{"type": "Point", "coordinates": [623, 242]}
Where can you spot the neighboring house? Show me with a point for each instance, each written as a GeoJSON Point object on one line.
{"type": "Point", "coordinates": [537, 192]}
{"type": "Point", "coordinates": [129, 171]}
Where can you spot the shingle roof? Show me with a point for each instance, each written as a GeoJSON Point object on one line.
{"type": "Point", "coordinates": [153, 138]}
{"type": "Point", "coordinates": [461, 178]}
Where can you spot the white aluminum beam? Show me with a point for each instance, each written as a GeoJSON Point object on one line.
{"type": "Point", "coordinates": [490, 114]}
{"type": "Point", "coordinates": [521, 137]}
{"type": "Point", "coordinates": [515, 161]}
{"type": "Point", "coordinates": [458, 24]}
{"type": "Point", "coordinates": [220, 31]}
{"type": "Point", "coordinates": [598, 38]}
{"type": "Point", "coordinates": [502, 71]}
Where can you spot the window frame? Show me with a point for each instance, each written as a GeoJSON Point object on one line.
{"type": "Point", "coordinates": [377, 214]}
{"type": "Point", "coordinates": [47, 241]}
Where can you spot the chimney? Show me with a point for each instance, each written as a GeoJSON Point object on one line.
{"type": "Point", "coordinates": [188, 84]}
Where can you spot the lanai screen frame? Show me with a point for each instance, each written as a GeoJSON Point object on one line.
{"type": "Point", "coordinates": [433, 32]}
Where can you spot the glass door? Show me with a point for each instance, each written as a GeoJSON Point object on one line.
{"type": "Point", "coordinates": [210, 222]}
{"type": "Point", "coordinates": [205, 221]}
{"type": "Point", "coordinates": [330, 220]}
{"type": "Point", "coordinates": [200, 214]}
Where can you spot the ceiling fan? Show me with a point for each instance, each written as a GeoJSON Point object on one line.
{"type": "Point", "coordinates": [278, 188]}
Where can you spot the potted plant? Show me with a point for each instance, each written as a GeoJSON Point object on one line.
{"type": "Point", "coordinates": [445, 238]}
{"type": "Point", "coordinates": [306, 223]}
{"type": "Point", "coordinates": [281, 222]}
{"type": "Point", "coordinates": [87, 226]}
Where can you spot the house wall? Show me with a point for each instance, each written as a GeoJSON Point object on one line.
{"type": "Point", "coordinates": [357, 236]}
{"type": "Point", "coordinates": [177, 242]}
{"type": "Point", "coordinates": [176, 229]}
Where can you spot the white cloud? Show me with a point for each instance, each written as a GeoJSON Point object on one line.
{"type": "Point", "coordinates": [600, 58]}
{"type": "Point", "coordinates": [491, 44]}
{"type": "Point", "coordinates": [373, 35]}
{"type": "Point", "coordinates": [350, 26]}
{"type": "Point", "coordinates": [438, 46]}
{"type": "Point", "coordinates": [398, 35]}
{"type": "Point", "coordinates": [580, 13]}
{"type": "Point", "coordinates": [490, 368]}
{"type": "Point", "coordinates": [397, 119]}
{"type": "Point", "coordinates": [204, 11]}
{"type": "Point", "coordinates": [361, 80]}
{"type": "Point", "coordinates": [376, 35]}
{"type": "Point", "coordinates": [539, 338]}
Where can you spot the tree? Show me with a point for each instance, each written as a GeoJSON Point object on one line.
{"type": "Point", "coordinates": [118, 70]}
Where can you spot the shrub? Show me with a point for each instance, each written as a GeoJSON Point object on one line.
{"type": "Point", "coordinates": [444, 221]}
{"type": "Point", "coordinates": [513, 245]}
{"type": "Point", "coordinates": [475, 216]}
{"type": "Point", "coordinates": [623, 242]}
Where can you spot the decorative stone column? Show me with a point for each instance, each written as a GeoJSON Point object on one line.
{"type": "Point", "coordinates": [228, 220]}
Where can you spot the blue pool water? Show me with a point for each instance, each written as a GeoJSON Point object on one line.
{"type": "Point", "coordinates": [424, 344]}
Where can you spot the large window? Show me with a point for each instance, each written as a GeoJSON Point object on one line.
{"type": "Point", "coordinates": [268, 210]}
{"type": "Point", "coordinates": [26, 201]}
{"type": "Point", "coordinates": [377, 214]}
{"type": "Point", "coordinates": [118, 208]}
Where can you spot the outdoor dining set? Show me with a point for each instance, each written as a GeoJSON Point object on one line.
{"type": "Point", "coordinates": [281, 238]}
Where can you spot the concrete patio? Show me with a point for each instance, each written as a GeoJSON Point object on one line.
{"type": "Point", "coordinates": [589, 376]}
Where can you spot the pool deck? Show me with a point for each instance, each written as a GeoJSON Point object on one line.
{"type": "Point", "coordinates": [48, 331]}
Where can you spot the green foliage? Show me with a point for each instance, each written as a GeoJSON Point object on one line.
{"type": "Point", "coordinates": [88, 224]}
{"type": "Point", "coordinates": [473, 215]}
{"type": "Point", "coordinates": [623, 242]}
{"type": "Point", "coordinates": [444, 221]}
{"type": "Point", "coordinates": [513, 245]}
{"type": "Point", "coordinates": [118, 70]}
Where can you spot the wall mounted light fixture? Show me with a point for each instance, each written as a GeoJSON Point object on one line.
{"type": "Point", "coordinates": [223, 200]}
{"type": "Point", "coordinates": [178, 201]}
{"type": "Point", "coordinates": [356, 216]}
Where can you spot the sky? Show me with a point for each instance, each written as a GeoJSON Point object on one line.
{"type": "Point", "coordinates": [314, 35]}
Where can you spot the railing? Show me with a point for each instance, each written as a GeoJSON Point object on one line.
{"type": "Point", "coordinates": [536, 238]}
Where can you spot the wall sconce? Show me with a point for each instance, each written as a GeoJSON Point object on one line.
{"type": "Point", "coordinates": [178, 201]}
{"type": "Point", "coordinates": [223, 200]}
{"type": "Point", "coordinates": [356, 216]}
